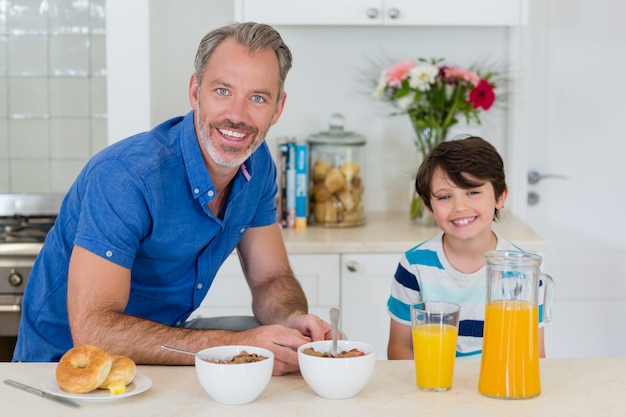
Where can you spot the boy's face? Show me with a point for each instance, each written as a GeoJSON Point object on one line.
{"type": "Point", "coordinates": [463, 213]}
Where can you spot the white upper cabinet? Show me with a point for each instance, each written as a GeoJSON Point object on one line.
{"type": "Point", "coordinates": [384, 12]}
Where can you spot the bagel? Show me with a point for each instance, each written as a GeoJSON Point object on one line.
{"type": "Point", "coordinates": [123, 370]}
{"type": "Point", "coordinates": [83, 368]}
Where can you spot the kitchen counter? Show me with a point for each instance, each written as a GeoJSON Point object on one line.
{"type": "Point", "coordinates": [384, 232]}
{"type": "Point", "coordinates": [394, 232]}
{"type": "Point", "coordinates": [571, 387]}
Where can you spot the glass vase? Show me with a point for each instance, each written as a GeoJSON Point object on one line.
{"type": "Point", "coordinates": [427, 136]}
{"type": "Point", "coordinates": [418, 212]}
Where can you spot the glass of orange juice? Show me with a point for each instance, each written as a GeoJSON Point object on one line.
{"type": "Point", "coordinates": [435, 327]}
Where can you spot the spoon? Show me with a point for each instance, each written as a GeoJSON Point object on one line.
{"type": "Point", "coordinates": [334, 323]}
{"type": "Point", "coordinates": [186, 352]}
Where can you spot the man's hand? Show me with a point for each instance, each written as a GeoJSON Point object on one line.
{"type": "Point", "coordinates": [284, 341]}
{"type": "Point", "coordinates": [281, 340]}
{"type": "Point", "coordinates": [312, 326]}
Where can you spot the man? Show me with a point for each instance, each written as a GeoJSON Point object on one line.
{"type": "Point", "coordinates": [149, 220]}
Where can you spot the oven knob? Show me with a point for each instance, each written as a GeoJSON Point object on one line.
{"type": "Point", "coordinates": [15, 278]}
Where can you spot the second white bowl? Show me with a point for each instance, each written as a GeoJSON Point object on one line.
{"type": "Point", "coordinates": [337, 378]}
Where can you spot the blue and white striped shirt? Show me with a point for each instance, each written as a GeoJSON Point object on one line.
{"type": "Point", "coordinates": [424, 274]}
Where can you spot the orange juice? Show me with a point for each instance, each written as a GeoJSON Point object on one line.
{"type": "Point", "coordinates": [510, 359]}
{"type": "Point", "coordinates": [434, 350]}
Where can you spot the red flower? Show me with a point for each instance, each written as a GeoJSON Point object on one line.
{"type": "Point", "coordinates": [482, 95]}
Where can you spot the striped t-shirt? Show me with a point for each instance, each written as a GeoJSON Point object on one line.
{"type": "Point", "coordinates": [424, 274]}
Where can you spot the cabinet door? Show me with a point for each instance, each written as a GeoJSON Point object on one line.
{"type": "Point", "coordinates": [384, 12]}
{"type": "Point", "coordinates": [454, 12]}
{"type": "Point", "coordinates": [319, 276]}
{"type": "Point", "coordinates": [230, 296]}
{"type": "Point", "coordinates": [308, 12]}
{"type": "Point", "coordinates": [365, 284]}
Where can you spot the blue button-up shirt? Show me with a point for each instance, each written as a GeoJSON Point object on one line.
{"type": "Point", "coordinates": [142, 203]}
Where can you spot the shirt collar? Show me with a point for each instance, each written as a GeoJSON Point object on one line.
{"type": "Point", "coordinates": [199, 179]}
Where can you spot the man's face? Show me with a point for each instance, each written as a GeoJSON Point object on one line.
{"type": "Point", "coordinates": [236, 103]}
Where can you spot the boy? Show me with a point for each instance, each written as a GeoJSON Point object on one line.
{"type": "Point", "coordinates": [462, 185]}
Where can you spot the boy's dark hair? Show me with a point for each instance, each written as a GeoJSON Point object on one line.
{"type": "Point", "coordinates": [458, 158]}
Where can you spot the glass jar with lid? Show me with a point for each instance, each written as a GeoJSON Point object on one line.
{"type": "Point", "coordinates": [336, 169]}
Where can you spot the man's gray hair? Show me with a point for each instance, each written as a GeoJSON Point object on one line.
{"type": "Point", "coordinates": [254, 36]}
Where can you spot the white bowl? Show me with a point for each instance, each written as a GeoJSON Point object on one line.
{"type": "Point", "coordinates": [337, 378]}
{"type": "Point", "coordinates": [234, 383]}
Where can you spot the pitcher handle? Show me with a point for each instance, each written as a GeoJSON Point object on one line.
{"type": "Point", "coordinates": [548, 295]}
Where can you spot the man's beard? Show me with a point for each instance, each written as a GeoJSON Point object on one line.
{"type": "Point", "coordinates": [227, 156]}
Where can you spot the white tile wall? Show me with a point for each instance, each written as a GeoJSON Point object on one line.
{"type": "Point", "coordinates": [69, 16]}
{"type": "Point", "coordinates": [69, 97]}
{"type": "Point", "coordinates": [53, 103]}
{"type": "Point", "coordinates": [3, 102]}
{"type": "Point", "coordinates": [26, 16]}
{"type": "Point", "coordinates": [28, 138]}
{"type": "Point", "coordinates": [3, 52]}
{"type": "Point", "coordinates": [29, 175]}
{"type": "Point", "coordinates": [4, 143]}
{"type": "Point", "coordinates": [69, 56]}
{"type": "Point", "coordinates": [27, 56]}
{"type": "Point", "coordinates": [67, 138]}
{"type": "Point", "coordinates": [28, 97]}
{"type": "Point", "coordinates": [62, 170]}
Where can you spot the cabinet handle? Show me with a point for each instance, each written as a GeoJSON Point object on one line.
{"type": "Point", "coordinates": [352, 266]}
{"type": "Point", "coordinates": [372, 13]}
{"type": "Point", "coordinates": [393, 13]}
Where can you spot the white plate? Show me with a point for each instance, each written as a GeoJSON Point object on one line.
{"type": "Point", "coordinates": [140, 384]}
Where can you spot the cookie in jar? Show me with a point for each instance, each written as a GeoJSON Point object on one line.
{"type": "Point", "coordinates": [336, 185]}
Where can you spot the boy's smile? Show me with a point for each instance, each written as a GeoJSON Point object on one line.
{"type": "Point", "coordinates": [463, 213]}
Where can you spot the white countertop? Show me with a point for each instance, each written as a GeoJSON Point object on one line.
{"type": "Point", "coordinates": [394, 232]}
{"type": "Point", "coordinates": [384, 232]}
{"type": "Point", "coordinates": [570, 387]}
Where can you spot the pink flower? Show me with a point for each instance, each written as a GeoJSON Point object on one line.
{"type": "Point", "coordinates": [398, 72]}
{"type": "Point", "coordinates": [482, 95]}
{"type": "Point", "coordinates": [452, 74]}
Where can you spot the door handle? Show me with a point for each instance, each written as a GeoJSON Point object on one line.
{"type": "Point", "coordinates": [14, 308]}
{"type": "Point", "coordinates": [393, 13]}
{"type": "Point", "coordinates": [534, 177]}
{"type": "Point", "coordinates": [372, 13]}
{"type": "Point", "coordinates": [352, 266]}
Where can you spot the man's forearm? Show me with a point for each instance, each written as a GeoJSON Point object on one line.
{"type": "Point", "coordinates": [277, 300]}
{"type": "Point", "coordinates": [141, 339]}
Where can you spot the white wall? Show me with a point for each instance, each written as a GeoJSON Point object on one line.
{"type": "Point", "coordinates": [576, 112]}
{"type": "Point", "coordinates": [128, 67]}
{"type": "Point", "coordinates": [176, 28]}
{"type": "Point", "coordinates": [53, 105]}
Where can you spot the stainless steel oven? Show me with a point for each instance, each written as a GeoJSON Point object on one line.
{"type": "Point", "coordinates": [24, 222]}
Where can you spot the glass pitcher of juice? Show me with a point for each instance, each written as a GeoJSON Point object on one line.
{"type": "Point", "coordinates": [519, 295]}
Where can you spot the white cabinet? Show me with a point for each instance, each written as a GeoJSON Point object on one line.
{"type": "Point", "coordinates": [230, 296]}
{"type": "Point", "coordinates": [310, 12]}
{"type": "Point", "coordinates": [384, 12]}
{"type": "Point", "coordinates": [365, 283]}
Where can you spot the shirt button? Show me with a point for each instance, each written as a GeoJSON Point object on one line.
{"type": "Point", "coordinates": [243, 229]}
{"type": "Point", "coordinates": [199, 286]}
{"type": "Point", "coordinates": [178, 323]}
{"type": "Point", "coordinates": [109, 254]}
{"type": "Point", "coordinates": [196, 191]}
{"type": "Point", "coordinates": [211, 193]}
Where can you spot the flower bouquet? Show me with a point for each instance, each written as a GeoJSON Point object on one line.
{"type": "Point", "coordinates": [434, 95]}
